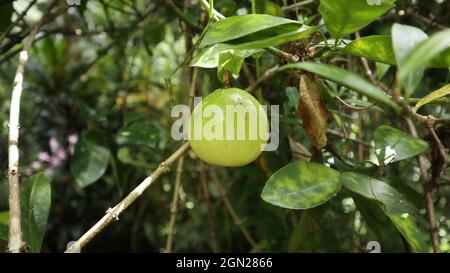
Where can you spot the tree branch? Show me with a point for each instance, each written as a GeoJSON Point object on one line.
{"type": "Point", "coordinates": [114, 213]}
{"type": "Point", "coordinates": [427, 192]}
{"type": "Point", "coordinates": [15, 233]}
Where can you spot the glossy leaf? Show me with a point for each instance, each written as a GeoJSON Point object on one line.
{"type": "Point", "coordinates": [209, 57]}
{"type": "Point", "coordinates": [409, 230]}
{"type": "Point", "coordinates": [301, 185]}
{"type": "Point", "coordinates": [313, 111]}
{"type": "Point", "coordinates": [239, 26]}
{"type": "Point", "coordinates": [404, 40]}
{"type": "Point", "coordinates": [347, 79]}
{"type": "Point", "coordinates": [396, 144]}
{"type": "Point", "coordinates": [343, 17]}
{"type": "Point", "coordinates": [415, 61]}
{"type": "Point", "coordinates": [376, 48]}
{"type": "Point", "coordinates": [371, 188]}
{"type": "Point", "coordinates": [139, 133]}
{"type": "Point", "coordinates": [441, 92]}
{"type": "Point", "coordinates": [89, 161]}
{"type": "Point", "coordinates": [298, 34]}
{"type": "Point", "coordinates": [35, 207]}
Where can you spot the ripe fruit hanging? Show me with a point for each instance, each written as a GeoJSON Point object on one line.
{"type": "Point", "coordinates": [228, 128]}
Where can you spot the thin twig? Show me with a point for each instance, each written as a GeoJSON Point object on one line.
{"type": "Point", "coordinates": [236, 219]}
{"type": "Point", "coordinates": [174, 206]}
{"type": "Point", "coordinates": [442, 163]}
{"type": "Point", "coordinates": [269, 73]}
{"type": "Point", "coordinates": [15, 233]}
{"type": "Point", "coordinates": [427, 192]}
{"type": "Point", "coordinates": [114, 213]}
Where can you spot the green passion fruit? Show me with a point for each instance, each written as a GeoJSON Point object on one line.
{"type": "Point", "coordinates": [229, 127]}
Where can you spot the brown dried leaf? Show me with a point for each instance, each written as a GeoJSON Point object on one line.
{"type": "Point", "coordinates": [313, 111]}
{"type": "Point", "coordinates": [299, 151]}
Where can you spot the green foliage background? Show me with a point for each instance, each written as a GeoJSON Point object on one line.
{"type": "Point", "coordinates": [96, 120]}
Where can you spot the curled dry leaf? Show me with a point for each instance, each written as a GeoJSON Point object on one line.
{"type": "Point", "coordinates": [313, 111]}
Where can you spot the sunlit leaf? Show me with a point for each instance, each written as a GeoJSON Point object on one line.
{"type": "Point", "coordinates": [301, 185]}
{"type": "Point", "coordinates": [376, 48]}
{"type": "Point", "coordinates": [283, 38]}
{"type": "Point", "coordinates": [209, 57]}
{"type": "Point", "coordinates": [441, 92]}
{"type": "Point", "coordinates": [396, 144]}
{"type": "Point", "coordinates": [239, 26]}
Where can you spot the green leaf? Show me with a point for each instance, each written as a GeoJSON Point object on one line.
{"type": "Point", "coordinates": [236, 27]}
{"type": "Point", "coordinates": [371, 188]}
{"type": "Point", "coordinates": [379, 48]}
{"type": "Point", "coordinates": [415, 61]}
{"type": "Point", "coordinates": [441, 92]}
{"type": "Point", "coordinates": [347, 79]}
{"type": "Point", "coordinates": [378, 222]}
{"type": "Point", "coordinates": [4, 224]}
{"type": "Point", "coordinates": [35, 207]}
{"type": "Point", "coordinates": [283, 38]}
{"type": "Point", "coordinates": [396, 144]}
{"type": "Point", "coordinates": [209, 57]}
{"type": "Point", "coordinates": [404, 40]}
{"type": "Point", "coordinates": [6, 10]}
{"type": "Point", "coordinates": [343, 17]}
{"type": "Point", "coordinates": [376, 48]}
{"type": "Point", "coordinates": [139, 133]}
{"type": "Point", "coordinates": [230, 62]}
{"type": "Point", "coordinates": [410, 231]}
{"type": "Point", "coordinates": [89, 161]}
{"type": "Point", "coordinates": [301, 185]}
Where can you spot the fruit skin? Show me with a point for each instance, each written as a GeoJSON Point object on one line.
{"type": "Point", "coordinates": [231, 153]}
